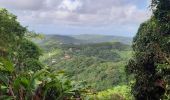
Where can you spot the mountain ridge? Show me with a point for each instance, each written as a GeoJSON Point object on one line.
{"type": "Point", "coordinates": [87, 39]}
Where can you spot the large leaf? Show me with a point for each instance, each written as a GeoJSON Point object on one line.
{"type": "Point", "coordinates": [6, 65]}
{"type": "Point", "coordinates": [4, 79]}
{"type": "Point", "coordinates": [4, 97]}
{"type": "Point", "coordinates": [21, 81]}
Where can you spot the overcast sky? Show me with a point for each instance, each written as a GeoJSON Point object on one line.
{"type": "Point", "coordinates": [111, 17]}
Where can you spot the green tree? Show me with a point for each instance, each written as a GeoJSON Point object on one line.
{"type": "Point", "coordinates": [11, 32]}
{"type": "Point", "coordinates": [150, 64]}
{"type": "Point", "coordinates": [22, 75]}
{"type": "Point", "coordinates": [17, 53]}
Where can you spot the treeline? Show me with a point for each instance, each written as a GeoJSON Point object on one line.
{"type": "Point", "coordinates": [104, 51]}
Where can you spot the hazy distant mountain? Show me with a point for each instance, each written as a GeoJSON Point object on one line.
{"type": "Point", "coordinates": [102, 38]}
{"type": "Point", "coordinates": [85, 39]}
{"type": "Point", "coordinates": [63, 39]}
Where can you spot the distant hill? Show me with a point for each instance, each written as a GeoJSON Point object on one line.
{"type": "Point", "coordinates": [86, 39]}
{"type": "Point", "coordinates": [63, 39]}
{"type": "Point", "coordinates": [103, 38]}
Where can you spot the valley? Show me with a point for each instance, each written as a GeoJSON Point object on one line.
{"type": "Point", "coordinates": [86, 58]}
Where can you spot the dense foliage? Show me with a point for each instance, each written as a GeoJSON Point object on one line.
{"type": "Point", "coordinates": [151, 64]}
{"type": "Point", "coordinates": [101, 65]}
{"type": "Point", "coordinates": [22, 75]}
{"type": "Point", "coordinates": [121, 92]}
{"type": "Point", "coordinates": [97, 67]}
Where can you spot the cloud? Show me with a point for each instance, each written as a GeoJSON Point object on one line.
{"type": "Point", "coordinates": [22, 4]}
{"type": "Point", "coordinates": [77, 12]}
{"type": "Point", "coordinates": [70, 5]}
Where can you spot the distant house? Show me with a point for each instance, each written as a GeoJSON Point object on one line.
{"type": "Point", "coordinates": [60, 43]}
{"type": "Point", "coordinates": [66, 56]}
{"type": "Point", "coordinates": [53, 61]}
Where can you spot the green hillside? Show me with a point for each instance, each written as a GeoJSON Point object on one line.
{"type": "Point", "coordinates": [63, 39]}
{"type": "Point", "coordinates": [84, 67]}
{"type": "Point", "coordinates": [101, 65]}
{"type": "Point", "coordinates": [91, 38]}
{"type": "Point", "coordinates": [85, 39]}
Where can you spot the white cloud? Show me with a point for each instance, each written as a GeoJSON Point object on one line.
{"type": "Point", "coordinates": [22, 4]}
{"type": "Point", "coordinates": [77, 12]}
{"type": "Point", "coordinates": [70, 5]}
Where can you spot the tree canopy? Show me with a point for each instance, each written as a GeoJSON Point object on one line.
{"type": "Point", "coordinates": [22, 75]}
{"type": "Point", "coordinates": [150, 64]}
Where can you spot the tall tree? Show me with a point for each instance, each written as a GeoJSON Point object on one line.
{"type": "Point", "coordinates": [151, 64]}
{"type": "Point", "coordinates": [17, 53]}
{"type": "Point", "coordinates": [22, 76]}
{"type": "Point", "coordinates": [11, 32]}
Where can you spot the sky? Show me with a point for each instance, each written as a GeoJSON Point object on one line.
{"type": "Point", "coordinates": [72, 17]}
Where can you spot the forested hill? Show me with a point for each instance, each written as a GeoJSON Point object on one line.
{"type": "Point", "coordinates": [86, 67]}
{"type": "Point", "coordinates": [63, 71]}
{"type": "Point", "coordinates": [86, 39]}
{"type": "Point", "coordinates": [62, 39]}
{"type": "Point", "coordinates": [101, 64]}
{"type": "Point", "coordinates": [103, 38]}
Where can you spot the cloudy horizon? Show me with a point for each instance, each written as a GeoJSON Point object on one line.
{"type": "Point", "coordinates": [66, 17]}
